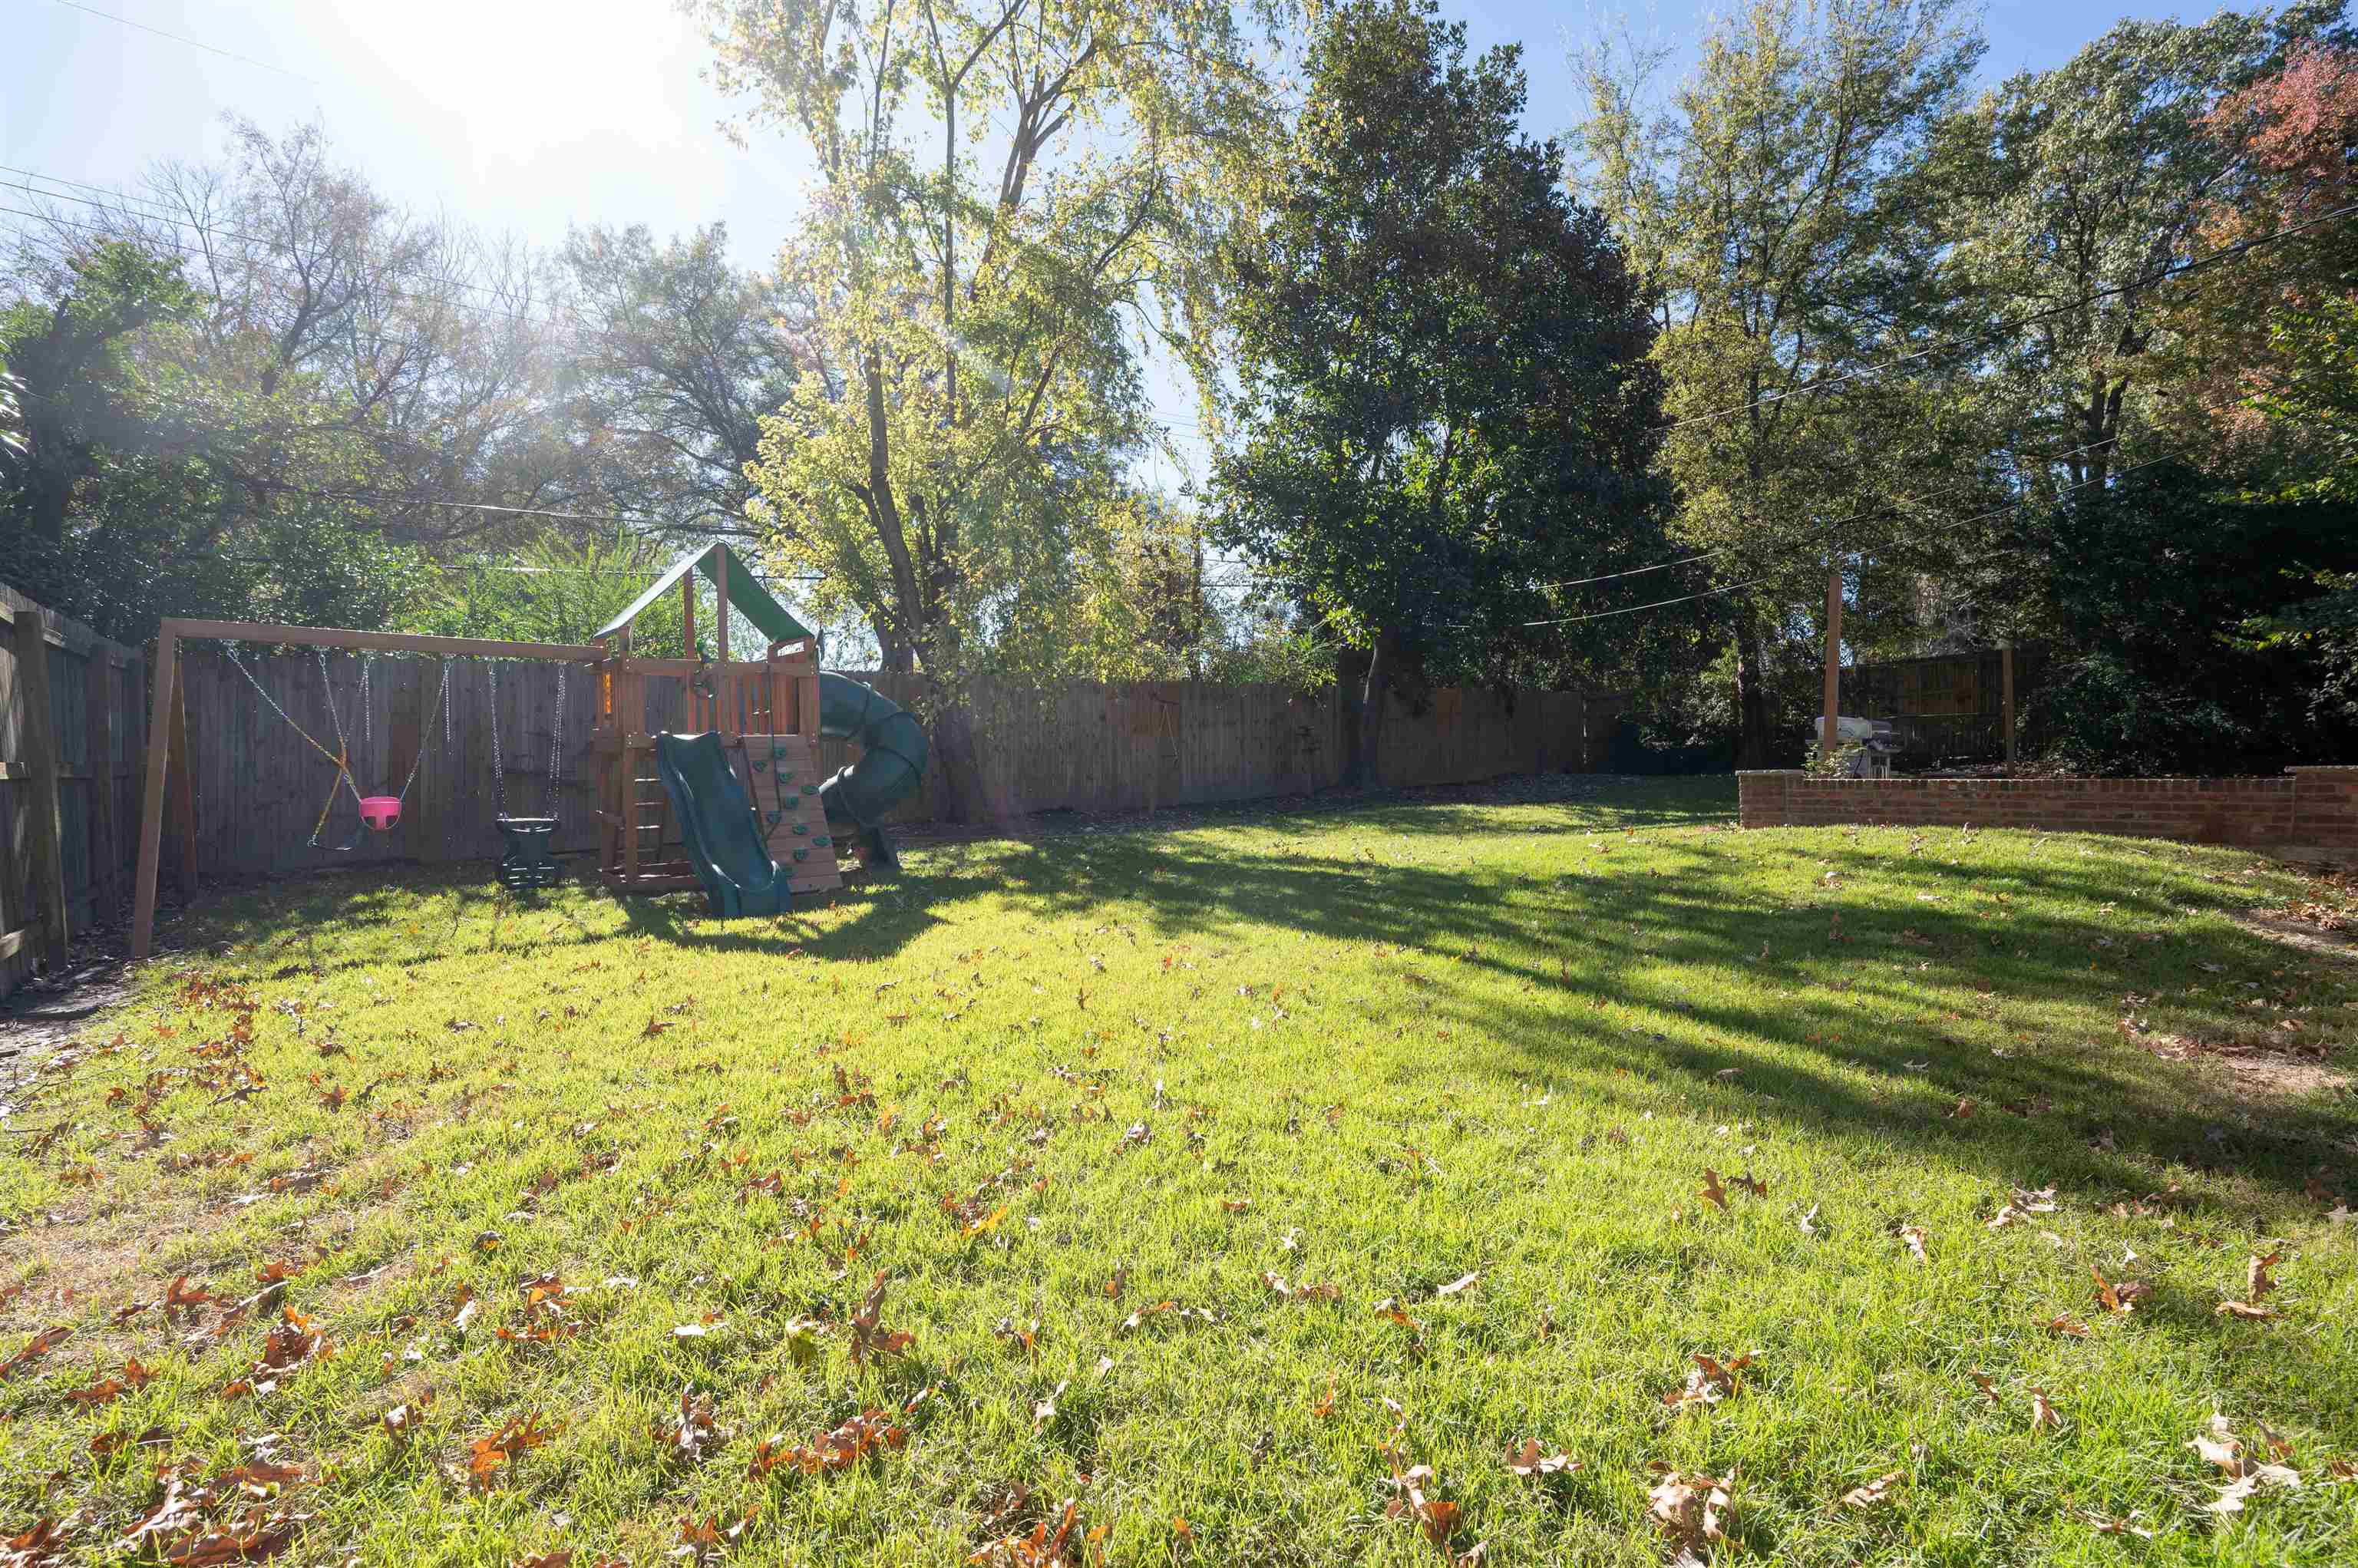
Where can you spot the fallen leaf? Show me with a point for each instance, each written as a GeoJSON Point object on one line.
{"type": "Point", "coordinates": [1530, 1460]}
{"type": "Point", "coordinates": [1874, 1493]}
{"type": "Point", "coordinates": [1691, 1509]}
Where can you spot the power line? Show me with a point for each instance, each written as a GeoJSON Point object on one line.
{"type": "Point", "coordinates": [1831, 527]}
{"type": "Point", "coordinates": [2177, 269]}
{"type": "Point", "coordinates": [1755, 582]}
{"type": "Point", "coordinates": [193, 43]}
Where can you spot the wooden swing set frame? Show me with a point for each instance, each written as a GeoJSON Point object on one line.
{"type": "Point", "coordinates": [777, 694]}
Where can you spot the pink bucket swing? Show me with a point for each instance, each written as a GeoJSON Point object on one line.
{"type": "Point", "coordinates": [378, 813]}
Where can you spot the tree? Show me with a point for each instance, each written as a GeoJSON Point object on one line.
{"type": "Point", "coordinates": [1783, 210]}
{"type": "Point", "coordinates": [67, 343]}
{"type": "Point", "coordinates": [677, 356]}
{"type": "Point", "coordinates": [2263, 356]}
{"type": "Point", "coordinates": [2148, 588]}
{"type": "Point", "coordinates": [972, 387]}
{"type": "Point", "coordinates": [1442, 400]}
{"type": "Point", "coordinates": [2086, 183]}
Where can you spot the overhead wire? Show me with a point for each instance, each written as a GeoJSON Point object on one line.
{"type": "Point", "coordinates": [1755, 582]}
{"type": "Point", "coordinates": [1884, 511]}
{"type": "Point", "coordinates": [193, 43]}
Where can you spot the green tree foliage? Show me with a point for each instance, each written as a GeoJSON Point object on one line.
{"type": "Point", "coordinates": [1443, 404]}
{"type": "Point", "coordinates": [1783, 206]}
{"type": "Point", "coordinates": [1008, 191]}
{"type": "Point", "coordinates": [556, 588]}
{"type": "Point", "coordinates": [2085, 183]}
{"type": "Point", "coordinates": [2146, 588]}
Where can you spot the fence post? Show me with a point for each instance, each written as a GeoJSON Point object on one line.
{"type": "Point", "coordinates": [163, 699]}
{"type": "Point", "coordinates": [98, 753]}
{"type": "Point", "coordinates": [183, 794]}
{"type": "Point", "coordinates": [48, 880]}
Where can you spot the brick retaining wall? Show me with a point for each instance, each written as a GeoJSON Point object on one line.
{"type": "Point", "coordinates": [2310, 807]}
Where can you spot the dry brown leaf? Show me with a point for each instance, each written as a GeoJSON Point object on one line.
{"type": "Point", "coordinates": [1875, 1492]}
{"type": "Point", "coordinates": [1531, 1460]}
{"type": "Point", "coordinates": [1914, 1237]}
{"type": "Point", "coordinates": [1691, 1509]}
{"type": "Point", "coordinates": [1709, 1380]}
{"type": "Point", "coordinates": [2043, 1413]}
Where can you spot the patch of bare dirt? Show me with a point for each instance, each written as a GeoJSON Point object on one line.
{"type": "Point", "coordinates": [2326, 936]}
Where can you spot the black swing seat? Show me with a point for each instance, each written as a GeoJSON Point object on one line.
{"type": "Point", "coordinates": [527, 866]}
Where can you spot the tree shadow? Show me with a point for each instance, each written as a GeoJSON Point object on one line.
{"type": "Point", "coordinates": [1594, 1007]}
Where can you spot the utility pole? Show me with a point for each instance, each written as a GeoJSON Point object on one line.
{"type": "Point", "coordinates": [2006, 690]}
{"type": "Point", "coordinates": [1829, 740]}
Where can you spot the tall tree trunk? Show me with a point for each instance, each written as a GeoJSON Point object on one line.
{"type": "Point", "coordinates": [1753, 740]}
{"type": "Point", "coordinates": [1364, 769]}
{"type": "Point", "coordinates": [960, 760]}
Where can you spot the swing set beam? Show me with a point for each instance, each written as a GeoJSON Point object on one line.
{"type": "Point", "coordinates": [163, 715]}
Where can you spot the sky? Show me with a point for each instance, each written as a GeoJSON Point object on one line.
{"type": "Point", "coordinates": [531, 115]}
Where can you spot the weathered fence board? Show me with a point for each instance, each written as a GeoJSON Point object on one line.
{"type": "Point", "coordinates": [97, 696]}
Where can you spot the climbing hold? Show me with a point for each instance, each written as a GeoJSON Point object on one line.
{"type": "Point", "coordinates": [801, 829]}
{"type": "Point", "coordinates": [761, 767]}
{"type": "Point", "coordinates": [822, 840]}
{"type": "Point", "coordinates": [801, 854]}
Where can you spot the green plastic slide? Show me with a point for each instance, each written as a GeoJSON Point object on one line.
{"type": "Point", "coordinates": [715, 821]}
{"type": "Point", "coordinates": [892, 764]}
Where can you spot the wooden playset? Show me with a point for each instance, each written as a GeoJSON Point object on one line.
{"type": "Point", "coordinates": [760, 817]}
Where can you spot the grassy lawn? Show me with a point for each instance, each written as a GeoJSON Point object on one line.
{"type": "Point", "coordinates": [1215, 1181]}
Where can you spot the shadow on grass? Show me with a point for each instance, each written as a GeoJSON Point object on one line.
{"type": "Point", "coordinates": [1890, 1061]}
{"type": "Point", "coordinates": [1571, 986]}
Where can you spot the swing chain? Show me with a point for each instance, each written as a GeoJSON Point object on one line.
{"type": "Point", "coordinates": [442, 701]}
{"type": "Point", "coordinates": [499, 766]}
{"type": "Point", "coordinates": [555, 743]}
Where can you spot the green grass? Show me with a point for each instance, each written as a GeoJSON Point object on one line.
{"type": "Point", "coordinates": [1416, 1043]}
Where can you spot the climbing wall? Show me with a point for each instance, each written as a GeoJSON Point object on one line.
{"type": "Point", "coordinates": [782, 776]}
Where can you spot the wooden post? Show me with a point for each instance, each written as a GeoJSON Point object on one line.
{"type": "Point", "coordinates": [181, 785]}
{"type": "Point", "coordinates": [2006, 692]}
{"type": "Point", "coordinates": [728, 710]}
{"type": "Point", "coordinates": [47, 882]}
{"type": "Point", "coordinates": [1829, 740]}
{"type": "Point", "coordinates": [98, 748]}
{"type": "Point", "coordinates": [167, 685]}
{"type": "Point", "coordinates": [687, 610]}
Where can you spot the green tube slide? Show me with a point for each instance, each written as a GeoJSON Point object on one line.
{"type": "Point", "coordinates": [891, 768]}
{"type": "Point", "coordinates": [715, 821]}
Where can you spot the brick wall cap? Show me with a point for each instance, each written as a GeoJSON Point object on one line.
{"type": "Point", "coordinates": [1773, 773]}
{"type": "Point", "coordinates": [2350, 768]}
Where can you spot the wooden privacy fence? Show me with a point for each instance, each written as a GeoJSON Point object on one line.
{"type": "Point", "coordinates": [72, 708]}
{"type": "Point", "coordinates": [258, 786]}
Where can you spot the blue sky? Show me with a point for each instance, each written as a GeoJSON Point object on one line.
{"type": "Point", "coordinates": [531, 114]}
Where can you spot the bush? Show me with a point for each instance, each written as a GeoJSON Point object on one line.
{"type": "Point", "coordinates": [2097, 715]}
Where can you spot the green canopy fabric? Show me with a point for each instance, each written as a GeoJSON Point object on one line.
{"type": "Point", "coordinates": [746, 597]}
